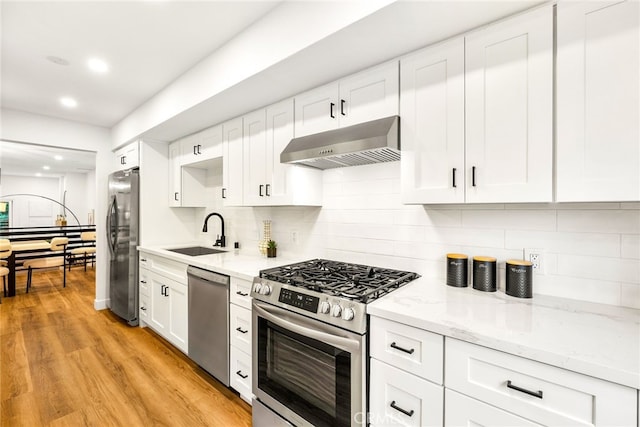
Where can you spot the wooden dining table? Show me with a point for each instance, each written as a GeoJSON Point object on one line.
{"type": "Point", "coordinates": [22, 246]}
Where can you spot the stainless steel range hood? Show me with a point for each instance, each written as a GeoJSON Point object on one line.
{"type": "Point", "coordinates": [376, 141]}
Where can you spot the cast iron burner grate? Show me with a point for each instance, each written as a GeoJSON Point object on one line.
{"type": "Point", "coordinates": [352, 281]}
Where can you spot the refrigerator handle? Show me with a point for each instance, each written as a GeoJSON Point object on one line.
{"type": "Point", "coordinates": [110, 230]}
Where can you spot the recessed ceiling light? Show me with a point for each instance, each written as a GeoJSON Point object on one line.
{"type": "Point", "coordinates": [57, 157]}
{"type": "Point", "coordinates": [46, 167]}
{"type": "Point", "coordinates": [98, 65]}
{"type": "Point", "coordinates": [57, 60]}
{"type": "Point", "coordinates": [38, 174]}
{"type": "Point", "coordinates": [68, 102]}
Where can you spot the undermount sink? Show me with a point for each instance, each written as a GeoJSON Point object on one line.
{"type": "Point", "coordinates": [196, 250]}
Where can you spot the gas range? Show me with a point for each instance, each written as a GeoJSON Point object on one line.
{"type": "Point", "coordinates": [331, 291]}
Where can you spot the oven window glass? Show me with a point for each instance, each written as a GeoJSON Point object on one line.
{"type": "Point", "coordinates": [307, 376]}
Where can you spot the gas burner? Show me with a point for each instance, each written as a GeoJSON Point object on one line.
{"type": "Point", "coordinates": [350, 281]}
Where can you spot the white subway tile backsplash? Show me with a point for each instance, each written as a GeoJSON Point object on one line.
{"type": "Point", "coordinates": [568, 243]}
{"type": "Point", "coordinates": [630, 246]}
{"type": "Point", "coordinates": [591, 250]}
{"type": "Point", "coordinates": [542, 220]}
{"type": "Point", "coordinates": [600, 221]}
{"type": "Point", "coordinates": [599, 268]}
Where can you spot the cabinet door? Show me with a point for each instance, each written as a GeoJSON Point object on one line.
{"type": "Point", "coordinates": [279, 134]}
{"type": "Point", "coordinates": [159, 317]}
{"type": "Point", "coordinates": [400, 398]}
{"type": "Point", "coordinates": [432, 125]}
{"type": "Point", "coordinates": [175, 178]}
{"type": "Point", "coordinates": [317, 110]}
{"type": "Point", "coordinates": [178, 314]}
{"type": "Point", "coordinates": [240, 373]}
{"type": "Point", "coordinates": [369, 95]}
{"type": "Point", "coordinates": [254, 143]}
{"type": "Point", "coordinates": [232, 162]}
{"type": "Point", "coordinates": [461, 410]}
{"type": "Point", "coordinates": [509, 110]}
{"type": "Point", "coordinates": [598, 99]}
{"type": "Point", "coordinates": [189, 146]}
{"type": "Point", "coordinates": [209, 143]}
{"type": "Point", "coordinates": [127, 157]}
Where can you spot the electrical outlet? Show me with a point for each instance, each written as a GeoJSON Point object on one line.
{"type": "Point", "coordinates": [535, 256]}
{"type": "Point", "coordinates": [294, 237]}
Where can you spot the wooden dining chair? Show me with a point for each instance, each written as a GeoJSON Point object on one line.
{"type": "Point", "coordinates": [57, 244]}
{"type": "Point", "coordinates": [5, 252]}
{"type": "Point", "coordinates": [88, 238]}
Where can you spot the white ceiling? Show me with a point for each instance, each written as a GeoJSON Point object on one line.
{"type": "Point", "coordinates": [147, 44]}
{"type": "Point", "coordinates": [39, 160]}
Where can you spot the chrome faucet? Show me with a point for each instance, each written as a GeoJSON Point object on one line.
{"type": "Point", "coordinates": [221, 240]}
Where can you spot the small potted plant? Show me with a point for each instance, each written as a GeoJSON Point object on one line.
{"type": "Point", "coordinates": [272, 247]}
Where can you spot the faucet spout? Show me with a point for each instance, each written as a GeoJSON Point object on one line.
{"type": "Point", "coordinates": [221, 241]}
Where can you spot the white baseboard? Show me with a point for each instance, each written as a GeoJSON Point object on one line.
{"type": "Point", "coordinates": [100, 304]}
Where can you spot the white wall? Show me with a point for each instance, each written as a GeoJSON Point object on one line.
{"type": "Point", "coordinates": [34, 128]}
{"type": "Point", "coordinates": [32, 211]}
{"type": "Point", "coordinates": [592, 251]}
{"type": "Point", "coordinates": [77, 198]}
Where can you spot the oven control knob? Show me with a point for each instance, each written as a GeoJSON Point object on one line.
{"type": "Point", "coordinates": [257, 287]}
{"type": "Point", "coordinates": [348, 314]}
{"type": "Point", "coordinates": [336, 310]}
{"type": "Point", "coordinates": [266, 289]}
{"type": "Point", "coordinates": [325, 307]}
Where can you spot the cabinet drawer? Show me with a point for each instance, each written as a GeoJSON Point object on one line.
{"type": "Point", "coordinates": [240, 290]}
{"type": "Point", "coordinates": [240, 373]}
{"type": "Point", "coordinates": [460, 410]}
{"type": "Point", "coordinates": [399, 398]}
{"type": "Point", "coordinates": [536, 391]}
{"type": "Point", "coordinates": [240, 328]}
{"type": "Point", "coordinates": [143, 282]}
{"type": "Point", "coordinates": [164, 266]}
{"type": "Point", "coordinates": [414, 350]}
{"type": "Point", "coordinates": [144, 308]}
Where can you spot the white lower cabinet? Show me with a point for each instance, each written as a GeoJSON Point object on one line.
{"type": "Point", "coordinates": [164, 302]}
{"type": "Point", "coordinates": [401, 399]}
{"type": "Point", "coordinates": [460, 410]}
{"type": "Point", "coordinates": [240, 335]}
{"type": "Point", "coordinates": [536, 391]}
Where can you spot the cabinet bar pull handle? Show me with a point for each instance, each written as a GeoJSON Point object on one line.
{"type": "Point", "coordinates": [331, 105]}
{"type": "Point", "coordinates": [537, 394]}
{"type": "Point", "coordinates": [199, 148]}
{"type": "Point", "coordinates": [242, 294]}
{"type": "Point", "coordinates": [143, 308]}
{"type": "Point", "coordinates": [394, 345]}
{"type": "Point", "coordinates": [260, 190]}
{"type": "Point", "coordinates": [473, 176]}
{"type": "Point", "coordinates": [454, 178]}
{"type": "Point", "coordinates": [342, 102]}
{"type": "Point", "coordinates": [224, 193]}
{"type": "Point", "coordinates": [143, 259]}
{"type": "Point", "coordinates": [244, 377]}
{"type": "Point", "coordinates": [404, 411]}
{"type": "Point", "coordinates": [194, 150]}
{"type": "Point", "coordinates": [175, 196]}
{"type": "Point", "coordinates": [267, 187]}
{"type": "Point", "coordinates": [143, 281]}
{"type": "Point", "coordinates": [242, 331]}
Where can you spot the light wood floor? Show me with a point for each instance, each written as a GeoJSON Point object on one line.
{"type": "Point", "coordinates": [64, 364]}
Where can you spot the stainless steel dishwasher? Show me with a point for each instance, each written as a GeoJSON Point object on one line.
{"type": "Point", "coordinates": [209, 321]}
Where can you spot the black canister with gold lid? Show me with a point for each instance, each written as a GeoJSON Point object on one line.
{"type": "Point", "coordinates": [484, 273]}
{"type": "Point", "coordinates": [519, 278]}
{"type": "Point", "coordinates": [457, 270]}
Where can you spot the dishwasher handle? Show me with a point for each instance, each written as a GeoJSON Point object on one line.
{"type": "Point", "coordinates": [209, 276]}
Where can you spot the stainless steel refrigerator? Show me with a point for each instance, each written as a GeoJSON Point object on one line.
{"type": "Point", "coordinates": [122, 239]}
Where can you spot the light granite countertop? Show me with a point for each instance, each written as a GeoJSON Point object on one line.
{"type": "Point", "coordinates": [594, 339]}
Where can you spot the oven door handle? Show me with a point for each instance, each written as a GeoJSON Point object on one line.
{"type": "Point", "coordinates": [328, 338]}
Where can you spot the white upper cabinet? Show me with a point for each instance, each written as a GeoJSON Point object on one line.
{"type": "Point", "coordinates": [598, 126]}
{"type": "Point", "coordinates": [255, 158]}
{"type": "Point", "coordinates": [267, 181]}
{"type": "Point", "coordinates": [368, 95]}
{"type": "Point", "coordinates": [204, 145]}
{"type": "Point", "coordinates": [232, 158]}
{"type": "Point", "coordinates": [432, 124]}
{"type": "Point", "coordinates": [175, 178]}
{"type": "Point", "coordinates": [127, 157]}
{"type": "Point", "coordinates": [477, 115]}
{"type": "Point", "coordinates": [509, 110]}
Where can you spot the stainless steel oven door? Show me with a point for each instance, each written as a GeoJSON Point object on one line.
{"type": "Point", "coordinates": [308, 372]}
